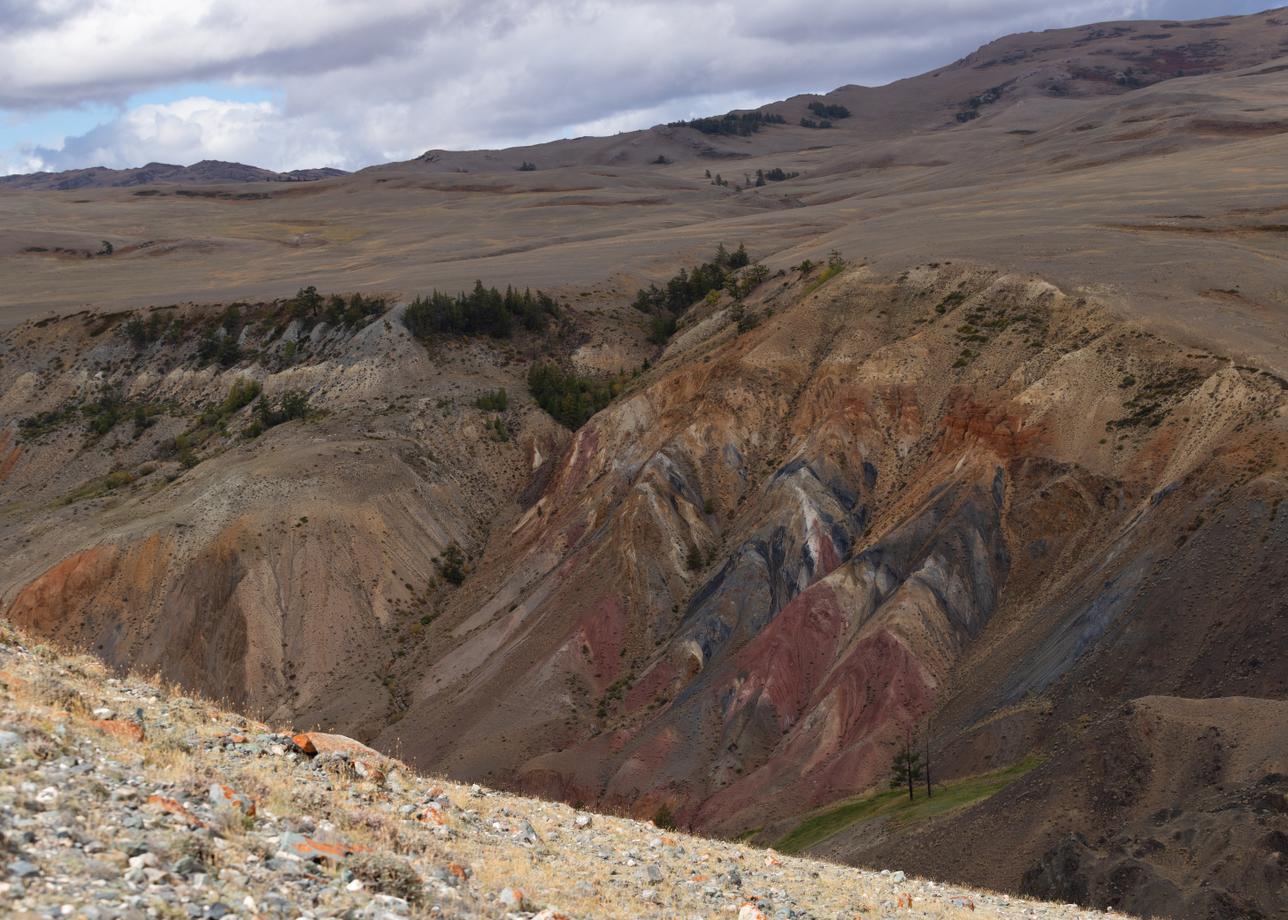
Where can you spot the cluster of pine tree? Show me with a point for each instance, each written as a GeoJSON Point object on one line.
{"type": "Point", "coordinates": [570, 398]}
{"type": "Point", "coordinates": [739, 124]}
{"type": "Point", "coordinates": [687, 287]}
{"type": "Point", "coordinates": [308, 304]}
{"type": "Point", "coordinates": [826, 110]}
{"type": "Point", "coordinates": [483, 311]}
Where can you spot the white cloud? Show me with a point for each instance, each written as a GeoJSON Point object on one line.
{"type": "Point", "coordinates": [194, 129]}
{"type": "Point", "coordinates": [359, 83]}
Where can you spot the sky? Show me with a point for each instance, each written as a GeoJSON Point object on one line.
{"type": "Point", "coordinates": [288, 85]}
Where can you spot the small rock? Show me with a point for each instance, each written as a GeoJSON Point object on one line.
{"type": "Point", "coordinates": [143, 861]}
{"type": "Point", "coordinates": [653, 873]}
{"type": "Point", "coordinates": [302, 847]}
{"type": "Point", "coordinates": [511, 898]}
{"type": "Point", "coordinates": [897, 876]}
{"type": "Point", "coordinates": [10, 740]}
{"type": "Point", "coordinates": [225, 797]}
{"type": "Point", "coordinates": [582, 821]}
{"type": "Point", "coordinates": [20, 868]}
{"type": "Point", "coordinates": [188, 865]}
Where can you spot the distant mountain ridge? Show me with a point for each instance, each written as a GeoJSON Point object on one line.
{"type": "Point", "coordinates": [206, 171]}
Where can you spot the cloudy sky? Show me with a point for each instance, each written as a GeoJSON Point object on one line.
{"type": "Point", "coordinates": [289, 84]}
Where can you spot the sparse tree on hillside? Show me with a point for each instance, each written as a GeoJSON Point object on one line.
{"type": "Point", "coordinates": [906, 769]}
{"type": "Point", "coordinates": [930, 793]}
{"type": "Point", "coordinates": [307, 302]}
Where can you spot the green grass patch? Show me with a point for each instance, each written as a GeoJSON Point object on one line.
{"type": "Point", "coordinates": [99, 486]}
{"type": "Point", "coordinates": [832, 270]}
{"type": "Point", "coordinates": [897, 810]}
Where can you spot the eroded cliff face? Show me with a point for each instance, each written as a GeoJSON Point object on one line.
{"type": "Point", "coordinates": [286, 573]}
{"type": "Point", "coordinates": [946, 493]}
{"type": "Point", "coordinates": [952, 493]}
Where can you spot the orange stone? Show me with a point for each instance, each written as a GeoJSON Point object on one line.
{"type": "Point", "coordinates": [227, 795]}
{"type": "Point", "coordinates": [308, 848]}
{"type": "Point", "coordinates": [175, 807]}
{"type": "Point", "coordinates": [432, 816]}
{"type": "Point", "coordinates": [324, 743]}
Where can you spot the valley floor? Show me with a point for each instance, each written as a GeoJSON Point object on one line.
{"type": "Point", "coordinates": [119, 798]}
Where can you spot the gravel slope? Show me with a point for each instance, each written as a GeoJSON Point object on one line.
{"type": "Point", "coordinates": [121, 799]}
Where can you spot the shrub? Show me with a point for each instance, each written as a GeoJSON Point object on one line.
{"type": "Point", "coordinates": [388, 875]}
{"type": "Point", "coordinates": [103, 414]}
{"type": "Point", "coordinates": [663, 819]}
{"type": "Point", "coordinates": [141, 332]}
{"type": "Point", "coordinates": [42, 423]}
{"type": "Point", "coordinates": [661, 328]}
{"type": "Point", "coordinates": [291, 405]}
{"type": "Point", "coordinates": [216, 347]}
{"type": "Point", "coordinates": [497, 401]}
{"type": "Point", "coordinates": [451, 565]}
{"type": "Point", "coordinates": [242, 393]}
{"type": "Point", "coordinates": [142, 420]}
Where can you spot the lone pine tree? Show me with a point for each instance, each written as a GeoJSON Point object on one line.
{"type": "Point", "coordinates": [906, 769]}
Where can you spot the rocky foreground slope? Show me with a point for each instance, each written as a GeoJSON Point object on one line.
{"type": "Point", "coordinates": [122, 799]}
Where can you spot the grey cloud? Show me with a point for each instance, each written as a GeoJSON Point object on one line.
{"type": "Point", "coordinates": [407, 76]}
